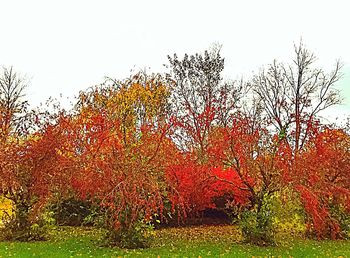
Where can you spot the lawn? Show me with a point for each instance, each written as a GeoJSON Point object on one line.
{"type": "Point", "coordinates": [203, 241]}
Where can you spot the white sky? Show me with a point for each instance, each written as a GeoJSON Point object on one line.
{"type": "Point", "coordinates": [67, 46]}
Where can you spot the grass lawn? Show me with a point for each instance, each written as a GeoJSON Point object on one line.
{"type": "Point", "coordinates": [204, 241]}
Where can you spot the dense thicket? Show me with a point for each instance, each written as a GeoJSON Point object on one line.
{"type": "Point", "coordinates": [152, 148]}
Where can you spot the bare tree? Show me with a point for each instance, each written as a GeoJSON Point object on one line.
{"type": "Point", "coordinates": [200, 99]}
{"type": "Point", "coordinates": [12, 87]}
{"type": "Point", "coordinates": [293, 95]}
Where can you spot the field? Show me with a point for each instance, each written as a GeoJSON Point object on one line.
{"type": "Point", "coordinates": [203, 241]}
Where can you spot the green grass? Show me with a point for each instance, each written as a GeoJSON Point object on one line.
{"type": "Point", "coordinates": [213, 241]}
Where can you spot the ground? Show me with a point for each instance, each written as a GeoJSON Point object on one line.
{"type": "Point", "coordinates": [199, 241]}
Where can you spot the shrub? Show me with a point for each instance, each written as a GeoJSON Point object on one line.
{"type": "Point", "coordinates": [256, 223]}
{"type": "Point", "coordinates": [340, 213]}
{"type": "Point", "coordinates": [288, 219]}
{"type": "Point", "coordinates": [5, 209]}
{"type": "Point", "coordinates": [72, 212]}
{"type": "Point", "coordinates": [279, 218]}
{"type": "Point", "coordinates": [18, 228]}
{"type": "Point", "coordinates": [138, 235]}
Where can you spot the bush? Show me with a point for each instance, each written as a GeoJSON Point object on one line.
{"type": "Point", "coordinates": [288, 216]}
{"type": "Point", "coordinates": [26, 230]}
{"type": "Point", "coordinates": [279, 218]}
{"type": "Point", "coordinates": [139, 235]}
{"type": "Point", "coordinates": [73, 212]}
{"type": "Point", "coordinates": [5, 209]}
{"type": "Point", "coordinates": [256, 225]}
{"type": "Point", "coordinates": [123, 233]}
{"type": "Point", "coordinates": [342, 216]}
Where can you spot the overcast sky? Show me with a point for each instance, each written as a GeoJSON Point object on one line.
{"type": "Point", "coordinates": [67, 46]}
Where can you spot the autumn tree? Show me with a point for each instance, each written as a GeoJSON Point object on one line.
{"type": "Point", "coordinates": [254, 166]}
{"type": "Point", "coordinates": [323, 181]}
{"type": "Point", "coordinates": [293, 95]}
{"type": "Point", "coordinates": [28, 159]}
{"type": "Point", "coordinates": [199, 101]}
{"type": "Point", "coordinates": [12, 106]}
{"type": "Point", "coordinates": [30, 168]}
{"type": "Point", "coordinates": [137, 101]}
{"type": "Point", "coordinates": [117, 140]}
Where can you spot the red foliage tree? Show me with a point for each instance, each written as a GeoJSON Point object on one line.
{"type": "Point", "coordinates": [31, 170]}
{"type": "Point", "coordinates": [259, 161]}
{"type": "Point", "coordinates": [120, 152]}
{"type": "Point", "coordinates": [323, 179]}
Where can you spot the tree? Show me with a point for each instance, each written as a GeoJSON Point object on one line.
{"type": "Point", "coordinates": [323, 181]}
{"type": "Point", "coordinates": [235, 156]}
{"type": "Point", "coordinates": [255, 165]}
{"type": "Point", "coordinates": [199, 102]}
{"type": "Point", "coordinates": [135, 102]}
{"type": "Point", "coordinates": [12, 107]}
{"type": "Point", "coordinates": [28, 159]}
{"type": "Point", "coordinates": [199, 98]}
{"type": "Point", "coordinates": [293, 95]}
{"type": "Point", "coordinates": [117, 141]}
{"type": "Point", "coordinates": [30, 168]}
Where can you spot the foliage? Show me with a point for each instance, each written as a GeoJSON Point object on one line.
{"type": "Point", "coordinates": [279, 220]}
{"type": "Point", "coordinates": [192, 191]}
{"type": "Point", "coordinates": [140, 235]}
{"type": "Point", "coordinates": [256, 224]}
{"type": "Point", "coordinates": [118, 149]}
{"type": "Point", "coordinates": [288, 216]}
{"type": "Point", "coordinates": [30, 176]}
{"type": "Point", "coordinates": [5, 209]}
{"type": "Point", "coordinates": [323, 181]}
{"type": "Point", "coordinates": [196, 188]}
{"type": "Point", "coordinates": [150, 147]}
{"type": "Point", "coordinates": [28, 159]}
{"type": "Point", "coordinates": [256, 164]}
{"type": "Point", "coordinates": [72, 212]}
{"type": "Point", "coordinates": [342, 216]}
{"type": "Point", "coordinates": [16, 230]}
